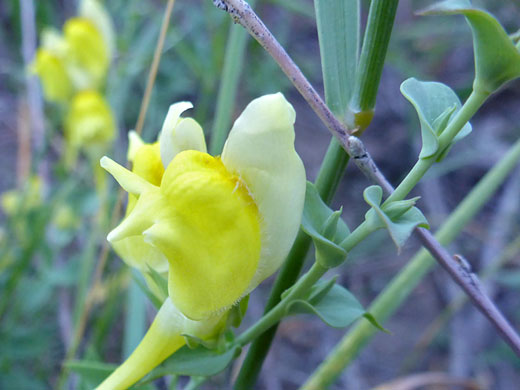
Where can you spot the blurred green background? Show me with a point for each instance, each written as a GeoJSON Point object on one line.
{"type": "Point", "coordinates": [46, 266]}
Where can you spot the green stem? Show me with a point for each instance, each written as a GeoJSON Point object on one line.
{"type": "Point", "coordinates": [233, 64]}
{"type": "Point", "coordinates": [299, 290]}
{"type": "Point", "coordinates": [409, 277]}
{"type": "Point", "coordinates": [329, 176]}
{"type": "Point", "coordinates": [474, 102]}
{"type": "Point", "coordinates": [381, 18]}
{"type": "Point", "coordinates": [278, 312]}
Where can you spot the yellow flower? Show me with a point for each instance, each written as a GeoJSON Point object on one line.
{"type": "Point", "coordinates": [89, 124]}
{"type": "Point", "coordinates": [87, 52]}
{"type": "Point", "coordinates": [224, 224]}
{"type": "Point", "coordinates": [90, 44]}
{"type": "Point", "coordinates": [79, 59]}
{"type": "Point", "coordinates": [50, 66]}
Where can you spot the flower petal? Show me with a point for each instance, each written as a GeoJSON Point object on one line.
{"type": "Point", "coordinates": [208, 227]}
{"type": "Point", "coordinates": [130, 181]}
{"type": "Point", "coordinates": [179, 134]}
{"type": "Point", "coordinates": [162, 340]}
{"type": "Point", "coordinates": [134, 144]}
{"type": "Point", "coordinates": [260, 150]}
{"type": "Point", "coordinates": [142, 217]}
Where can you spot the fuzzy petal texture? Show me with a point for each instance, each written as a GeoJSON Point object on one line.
{"type": "Point", "coordinates": [260, 150]}
{"type": "Point", "coordinates": [209, 229]}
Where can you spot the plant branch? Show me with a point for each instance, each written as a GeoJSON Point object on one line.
{"type": "Point", "coordinates": [401, 286]}
{"type": "Point", "coordinates": [243, 14]}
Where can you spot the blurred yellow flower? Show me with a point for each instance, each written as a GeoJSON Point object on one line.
{"type": "Point", "coordinates": [223, 224]}
{"type": "Point", "coordinates": [87, 52]}
{"type": "Point", "coordinates": [89, 124]}
{"type": "Point", "coordinates": [78, 59]}
{"type": "Point", "coordinates": [56, 84]}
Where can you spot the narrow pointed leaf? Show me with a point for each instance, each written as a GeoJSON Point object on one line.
{"type": "Point", "coordinates": [338, 33]}
{"type": "Point", "coordinates": [400, 218]}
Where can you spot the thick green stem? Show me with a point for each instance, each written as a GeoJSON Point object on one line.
{"type": "Point", "coordinates": [402, 285]}
{"type": "Point", "coordinates": [474, 102]}
{"type": "Point", "coordinates": [331, 170]}
{"type": "Point", "coordinates": [375, 43]}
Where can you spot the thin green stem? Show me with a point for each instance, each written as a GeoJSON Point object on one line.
{"type": "Point", "coordinates": [391, 298]}
{"type": "Point", "coordinates": [381, 18]}
{"type": "Point", "coordinates": [474, 102]}
{"type": "Point", "coordinates": [278, 312]}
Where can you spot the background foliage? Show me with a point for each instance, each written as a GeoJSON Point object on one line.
{"type": "Point", "coordinates": [46, 267]}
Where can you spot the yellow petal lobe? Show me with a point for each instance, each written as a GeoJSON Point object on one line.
{"type": "Point", "coordinates": [147, 164]}
{"type": "Point", "coordinates": [209, 230]}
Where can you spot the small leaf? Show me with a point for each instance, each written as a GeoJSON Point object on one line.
{"type": "Point", "coordinates": [370, 318]}
{"type": "Point", "coordinates": [497, 60]}
{"type": "Point", "coordinates": [325, 227]}
{"type": "Point", "coordinates": [237, 312]}
{"type": "Point", "coordinates": [194, 342]}
{"type": "Point", "coordinates": [322, 288]}
{"type": "Point", "coordinates": [435, 104]}
{"type": "Point", "coordinates": [400, 218]}
{"type": "Point", "coordinates": [337, 308]}
{"type": "Point", "coordinates": [330, 227]}
{"type": "Point", "coordinates": [397, 208]}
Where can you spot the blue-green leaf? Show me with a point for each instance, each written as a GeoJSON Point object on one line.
{"type": "Point", "coordinates": [325, 227]}
{"type": "Point", "coordinates": [337, 307]}
{"type": "Point", "coordinates": [497, 60]}
{"type": "Point", "coordinates": [400, 218]}
{"type": "Point", "coordinates": [338, 34]}
{"type": "Point", "coordinates": [435, 104]}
